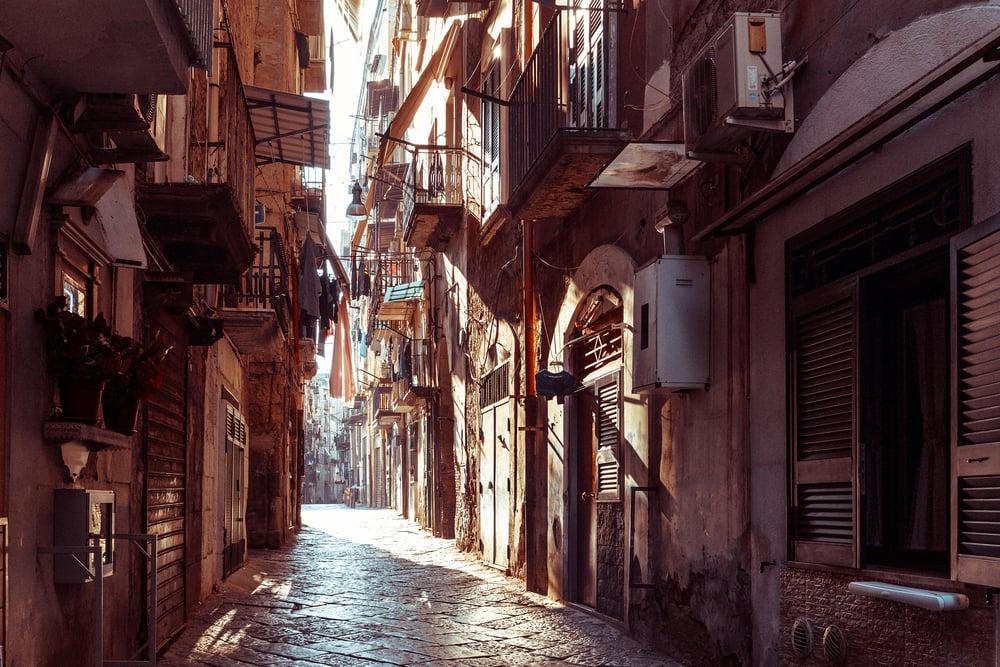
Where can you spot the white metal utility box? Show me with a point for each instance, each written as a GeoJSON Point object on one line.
{"type": "Point", "coordinates": [670, 343]}
{"type": "Point", "coordinates": [82, 518]}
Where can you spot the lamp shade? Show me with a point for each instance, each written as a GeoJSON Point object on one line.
{"type": "Point", "coordinates": [357, 207]}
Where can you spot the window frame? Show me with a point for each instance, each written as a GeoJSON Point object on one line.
{"type": "Point", "coordinates": [849, 288]}
{"type": "Point", "coordinates": [81, 260]}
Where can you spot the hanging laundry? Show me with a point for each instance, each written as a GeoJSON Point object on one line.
{"type": "Point", "coordinates": [309, 286]}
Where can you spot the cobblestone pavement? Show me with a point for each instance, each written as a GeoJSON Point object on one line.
{"type": "Point", "coordinates": [366, 587]}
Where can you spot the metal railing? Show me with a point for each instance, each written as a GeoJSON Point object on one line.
{"type": "Point", "coordinates": [435, 176]}
{"type": "Point", "coordinates": [567, 83]}
{"type": "Point", "coordinates": [90, 567]}
{"type": "Point", "coordinates": [265, 284]}
{"type": "Point", "coordinates": [416, 375]}
{"type": "Point", "coordinates": [231, 159]}
{"type": "Point", "coordinates": [388, 270]}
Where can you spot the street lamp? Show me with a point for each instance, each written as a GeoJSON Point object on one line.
{"type": "Point", "coordinates": [357, 207]}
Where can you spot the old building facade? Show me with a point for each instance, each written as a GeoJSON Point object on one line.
{"type": "Point", "coordinates": [709, 299]}
{"type": "Point", "coordinates": [144, 187]}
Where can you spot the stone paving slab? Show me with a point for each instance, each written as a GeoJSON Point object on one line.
{"type": "Point", "coordinates": [367, 588]}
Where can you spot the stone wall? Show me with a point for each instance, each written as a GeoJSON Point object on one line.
{"type": "Point", "coordinates": [880, 632]}
{"type": "Point", "coordinates": [611, 559]}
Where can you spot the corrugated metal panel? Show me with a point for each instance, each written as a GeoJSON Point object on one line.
{"type": "Point", "coordinates": [166, 482]}
{"type": "Point", "coordinates": [290, 128]}
{"type": "Point", "coordinates": [198, 17]}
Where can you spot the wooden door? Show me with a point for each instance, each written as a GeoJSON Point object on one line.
{"type": "Point", "coordinates": [585, 499]}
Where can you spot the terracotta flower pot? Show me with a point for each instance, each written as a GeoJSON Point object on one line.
{"type": "Point", "coordinates": [80, 398]}
{"type": "Point", "coordinates": [121, 413]}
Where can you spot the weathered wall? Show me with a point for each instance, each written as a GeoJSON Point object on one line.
{"type": "Point", "coordinates": [780, 595]}
{"type": "Point", "coordinates": [34, 466]}
{"type": "Point", "coordinates": [879, 632]}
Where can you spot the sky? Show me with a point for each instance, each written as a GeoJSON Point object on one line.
{"type": "Point", "coordinates": [347, 76]}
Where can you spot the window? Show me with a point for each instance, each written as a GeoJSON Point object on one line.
{"type": "Point", "coordinates": [870, 368]}
{"type": "Point", "coordinates": [491, 140]}
{"type": "Point", "coordinates": [80, 263]}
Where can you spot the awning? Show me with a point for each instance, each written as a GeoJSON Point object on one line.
{"type": "Point", "coordinates": [398, 301]}
{"type": "Point", "coordinates": [407, 110]}
{"type": "Point", "coordinates": [290, 128]}
{"type": "Point", "coordinates": [651, 166]}
{"type": "Point", "coordinates": [107, 192]}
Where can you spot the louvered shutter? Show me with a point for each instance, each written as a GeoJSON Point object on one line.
{"type": "Point", "coordinates": [824, 517]}
{"type": "Point", "coordinates": [976, 424]}
{"type": "Point", "coordinates": [608, 438]}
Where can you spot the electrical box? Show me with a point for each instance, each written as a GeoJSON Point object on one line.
{"type": "Point", "coordinates": [670, 344]}
{"type": "Point", "coordinates": [730, 85]}
{"type": "Point", "coordinates": [83, 517]}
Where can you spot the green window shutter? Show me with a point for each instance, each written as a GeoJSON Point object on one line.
{"type": "Point", "coordinates": [823, 371]}
{"type": "Point", "coordinates": [975, 266]}
{"type": "Point", "coordinates": [608, 394]}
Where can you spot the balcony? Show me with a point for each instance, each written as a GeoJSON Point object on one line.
{"type": "Point", "coordinates": [109, 46]}
{"type": "Point", "coordinates": [354, 415]}
{"type": "Point", "coordinates": [434, 198]}
{"type": "Point", "coordinates": [385, 410]}
{"type": "Point", "coordinates": [257, 311]}
{"type": "Point", "coordinates": [201, 225]}
{"type": "Point", "coordinates": [309, 202]}
{"type": "Point", "coordinates": [564, 116]}
{"type": "Point", "coordinates": [417, 379]}
{"type": "Point", "coordinates": [387, 271]}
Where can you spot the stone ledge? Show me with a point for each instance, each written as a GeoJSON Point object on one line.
{"type": "Point", "coordinates": [94, 437]}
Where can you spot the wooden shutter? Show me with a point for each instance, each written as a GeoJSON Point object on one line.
{"type": "Point", "coordinates": [608, 438]}
{"type": "Point", "coordinates": [234, 536]}
{"type": "Point", "coordinates": [975, 267]}
{"type": "Point", "coordinates": [823, 361]}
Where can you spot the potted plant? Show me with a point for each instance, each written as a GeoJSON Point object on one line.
{"type": "Point", "coordinates": [77, 352]}
{"type": "Point", "coordinates": [135, 372]}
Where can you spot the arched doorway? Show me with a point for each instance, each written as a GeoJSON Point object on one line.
{"type": "Point", "coordinates": [597, 560]}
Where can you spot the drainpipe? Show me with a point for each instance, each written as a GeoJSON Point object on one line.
{"type": "Point", "coordinates": [534, 461]}
{"type": "Point", "coordinates": [529, 310]}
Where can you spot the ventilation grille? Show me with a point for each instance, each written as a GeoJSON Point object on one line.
{"type": "Point", "coordinates": [702, 94]}
{"type": "Point", "coordinates": [834, 645]}
{"type": "Point", "coordinates": [495, 386]}
{"type": "Point", "coordinates": [979, 515]}
{"type": "Point", "coordinates": [824, 513]}
{"type": "Point", "coordinates": [802, 637]}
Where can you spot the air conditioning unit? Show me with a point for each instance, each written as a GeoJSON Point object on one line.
{"type": "Point", "coordinates": [670, 345]}
{"type": "Point", "coordinates": [124, 128]}
{"type": "Point", "coordinates": [736, 85]}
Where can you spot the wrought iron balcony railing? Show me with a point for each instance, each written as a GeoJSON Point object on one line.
{"type": "Point", "coordinates": [385, 271]}
{"type": "Point", "coordinates": [434, 196]}
{"type": "Point", "coordinates": [569, 83]}
{"type": "Point", "coordinates": [265, 284]}
{"type": "Point", "coordinates": [416, 378]}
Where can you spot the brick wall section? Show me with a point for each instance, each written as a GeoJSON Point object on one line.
{"type": "Point", "coordinates": [611, 559]}
{"type": "Point", "coordinates": [880, 632]}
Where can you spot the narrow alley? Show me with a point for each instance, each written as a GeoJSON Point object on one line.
{"type": "Point", "coordinates": [367, 587]}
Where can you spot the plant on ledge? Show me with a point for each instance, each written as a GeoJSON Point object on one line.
{"type": "Point", "coordinates": [88, 358]}
{"type": "Point", "coordinates": [77, 352]}
{"type": "Point", "coordinates": [134, 374]}
{"type": "Point", "coordinates": [74, 347]}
